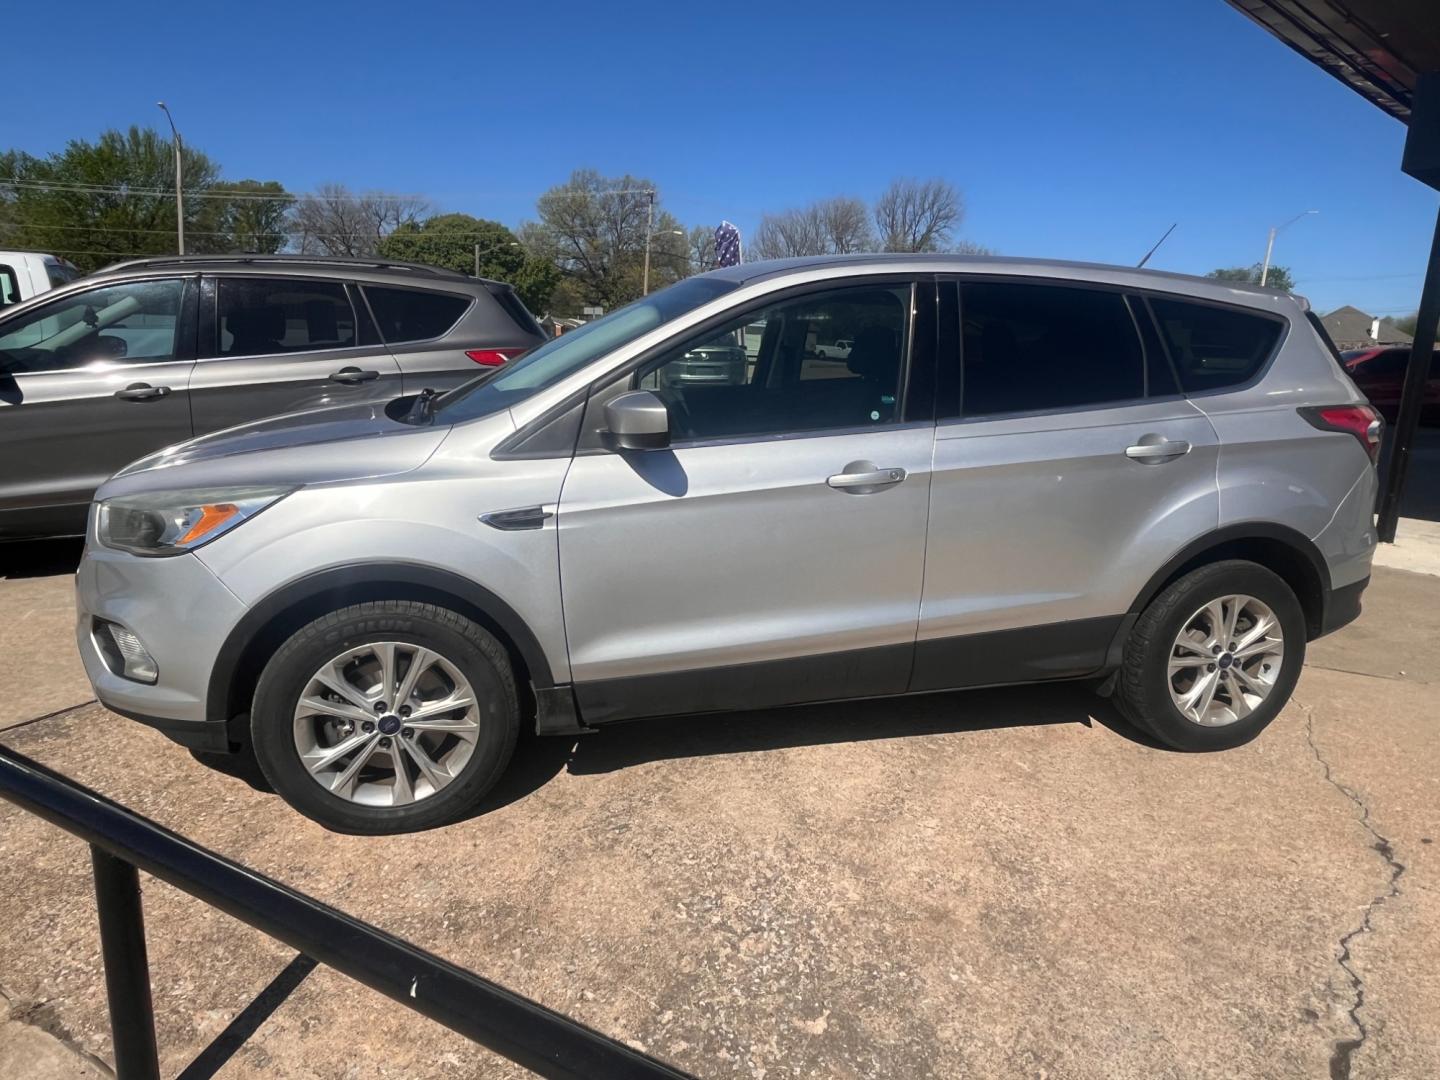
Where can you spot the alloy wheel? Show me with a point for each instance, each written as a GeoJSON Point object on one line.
{"type": "Point", "coordinates": [386, 724]}
{"type": "Point", "coordinates": [1225, 660]}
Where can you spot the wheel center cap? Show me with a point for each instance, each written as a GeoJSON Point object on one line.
{"type": "Point", "coordinates": [1226, 659]}
{"type": "Point", "coordinates": [388, 724]}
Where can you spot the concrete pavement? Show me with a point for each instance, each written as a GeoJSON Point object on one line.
{"type": "Point", "coordinates": [999, 883]}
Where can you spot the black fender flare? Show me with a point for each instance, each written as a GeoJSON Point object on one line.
{"type": "Point", "coordinates": [379, 573]}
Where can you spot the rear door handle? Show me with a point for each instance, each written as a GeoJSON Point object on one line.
{"type": "Point", "coordinates": [351, 376]}
{"type": "Point", "coordinates": [1152, 450]}
{"type": "Point", "coordinates": [864, 477]}
{"type": "Point", "coordinates": [142, 392]}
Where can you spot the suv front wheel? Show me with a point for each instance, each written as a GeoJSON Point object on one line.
{"type": "Point", "coordinates": [385, 717]}
{"type": "Point", "coordinates": [1214, 657]}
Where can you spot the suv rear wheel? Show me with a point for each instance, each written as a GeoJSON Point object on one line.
{"type": "Point", "coordinates": [385, 717]}
{"type": "Point", "coordinates": [1214, 657]}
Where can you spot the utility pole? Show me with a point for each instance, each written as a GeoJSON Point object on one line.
{"type": "Point", "coordinates": [1275, 230]}
{"type": "Point", "coordinates": [477, 258]}
{"type": "Point", "coordinates": [649, 228]}
{"type": "Point", "coordinates": [179, 181]}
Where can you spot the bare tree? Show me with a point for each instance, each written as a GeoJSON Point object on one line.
{"type": "Point", "coordinates": [837, 226]}
{"type": "Point", "coordinates": [594, 228]}
{"type": "Point", "coordinates": [701, 244]}
{"type": "Point", "coordinates": [336, 221]}
{"type": "Point", "coordinates": [918, 215]}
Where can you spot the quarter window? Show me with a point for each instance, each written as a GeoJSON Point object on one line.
{"type": "Point", "coordinates": [263, 316]}
{"type": "Point", "coordinates": [786, 370]}
{"type": "Point", "coordinates": [135, 322]}
{"type": "Point", "coordinates": [1035, 347]}
{"type": "Point", "coordinates": [414, 314]}
{"type": "Point", "coordinates": [1214, 347]}
{"type": "Point", "coordinates": [9, 286]}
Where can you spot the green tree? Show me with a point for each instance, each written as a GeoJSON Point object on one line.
{"type": "Point", "coordinates": [1278, 277]}
{"type": "Point", "coordinates": [1407, 323]}
{"type": "Point", "coordinates": [100, 202]}
{"type": "Point", "coordinates": [453, 240]}
{"type": "Point", "coordinates": [594, 229]}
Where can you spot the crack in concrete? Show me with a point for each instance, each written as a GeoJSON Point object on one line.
{"type": "Point", "coordinates": [1345, 1050]}
{"type": "Point", "coordinates": [42, 1017]}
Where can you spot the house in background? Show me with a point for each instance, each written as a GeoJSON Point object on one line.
{"type": "Point", "coordinates": [1351, 328]}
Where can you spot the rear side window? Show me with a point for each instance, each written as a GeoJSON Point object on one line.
{"type": "Point", "coordinates": [263, 316]}
{"type": "Point", "coordinates": [1033, 347]}
{"type": "Point", "coordinates": [1214, 347]}
{"type": "Point", "coordinates": [518, 312]}
{"type": "Point", "coordinates": [9, 286]}
{"type": "Point", "coordinates": [414, 314]}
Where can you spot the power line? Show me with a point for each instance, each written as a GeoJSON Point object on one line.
{"type": "Point", "coordinates": [126, 191]}
{"type": "Point", "coordinates": [289, 230]}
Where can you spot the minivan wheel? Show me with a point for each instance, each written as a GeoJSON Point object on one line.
{"type": "Point", "coordinates": [385, 717]}
{"type": "Point", "coordinates": [1214, 657]}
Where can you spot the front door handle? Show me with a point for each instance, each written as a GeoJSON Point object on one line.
{"type": "Point", "coordinates": [352, 376]}
{"type": "Point", "coordinates": [1155, 449]}
{"type": "Point", "coordinates": [864, 478]}
{"type": "Point", "coordinates": [142, 392]}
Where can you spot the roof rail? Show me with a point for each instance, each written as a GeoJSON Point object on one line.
{"type": "Point", "coordinates": [291, 260]}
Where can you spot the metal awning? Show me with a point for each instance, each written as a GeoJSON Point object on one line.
{"type": "Point", "coordinates": [1388, 51]}
{"type": "Point", "coordinates": [1379, 48]}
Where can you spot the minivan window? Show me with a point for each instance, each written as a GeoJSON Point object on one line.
{"type": "Point", "coordinates": [769, 373]}
{"type": "Point", "coordinates": [1035, 347]}
{"type": "Point", "coordinates": [1214, 347]}
{"type": "Point", "coordinates": [263, 316]}
{"type": "Point", "coordinates": [560, 357]}
{"type": "Point", "coordinates": [127, 323]}
{"type": "Point", "coordinates": [9, 286]}
{"type": "Point", "coordinates": [414, 314]}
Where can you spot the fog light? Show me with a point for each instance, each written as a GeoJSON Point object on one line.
{"type": "Point", "coordinates": [124, 654]}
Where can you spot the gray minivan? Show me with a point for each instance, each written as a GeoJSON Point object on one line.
{"type": "Point", "coordinates": [1021, 471]}
{"type": "Point", "coordinates": [112, 367]}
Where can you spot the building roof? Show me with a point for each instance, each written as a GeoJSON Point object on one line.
{"type": "Point", "coordinates": [1351, 326]}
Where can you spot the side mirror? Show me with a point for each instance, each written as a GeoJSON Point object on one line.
{"type": "Point", "coordinates": [637, 420]}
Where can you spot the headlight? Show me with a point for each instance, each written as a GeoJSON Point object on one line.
{"type": "Point", "coordinates": [169, 522]}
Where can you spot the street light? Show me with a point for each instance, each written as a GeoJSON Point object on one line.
{"type": "Point", "coordinates": [179, 194]}
{"type": "Point", "coordinates": [1275, 230]}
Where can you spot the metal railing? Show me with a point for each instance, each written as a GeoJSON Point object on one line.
{"type": "Point", "coordinates": [540, 1039]}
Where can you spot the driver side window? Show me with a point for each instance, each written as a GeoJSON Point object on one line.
{"type": "Point", "coordinates": [827, 360]}
{"type": "Point", "coordinates": [137, 321]}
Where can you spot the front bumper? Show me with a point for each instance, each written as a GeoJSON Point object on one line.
{"type": "Point", "coordinates": [182, 613]}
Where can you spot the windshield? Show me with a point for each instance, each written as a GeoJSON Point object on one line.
{"type": "Point", "coordinates": [562, 356]}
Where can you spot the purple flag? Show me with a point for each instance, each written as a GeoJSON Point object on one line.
{"type": "Point", "coordinates": [727, 245]}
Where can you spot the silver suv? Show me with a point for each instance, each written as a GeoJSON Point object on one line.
{"type": "Point", "coordinates": [1021, 471]}
{"type": "Point", "coordinates": [99, 372]}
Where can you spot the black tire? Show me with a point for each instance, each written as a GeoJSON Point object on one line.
{"type": "Point", "coordinates": [478, 655]}
{"type": "Point", "coordinates": [1142, 690]}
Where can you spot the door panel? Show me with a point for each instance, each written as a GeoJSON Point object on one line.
{"type": "Point", "coordinates": [88, 384]}
{"type": "Point", "coordinates": [709, 556]}
{"type": "Point", "coordinates": [1049, 519]}
{"type": "Point", "coordinates": [262, 366]}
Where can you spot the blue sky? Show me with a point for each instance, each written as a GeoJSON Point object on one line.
{"type": "Point", "coordinates": [1074, 131]}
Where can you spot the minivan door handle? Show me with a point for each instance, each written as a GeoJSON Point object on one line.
{"type": "Point", "coordinates": [864, 478]}
{"type": "Point", "coordinates": [1156, 449]}
{"type": "Point", "coordinates": [142, 392]}
{"type": "Point", "coordinates": [352, 376]}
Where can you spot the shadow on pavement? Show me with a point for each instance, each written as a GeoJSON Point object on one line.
{"type": "Point", "coordinates": [40, 558]}
{"type": "Point", "coordinates": [638, 741]}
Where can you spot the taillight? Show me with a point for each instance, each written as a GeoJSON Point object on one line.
{"type": "Point", "coordinates": [1359, 420]}
{"type": "Point", "coordinates": [493, 357]}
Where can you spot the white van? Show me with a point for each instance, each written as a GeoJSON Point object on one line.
{"type": "Point", "coordinates": [24, 274]}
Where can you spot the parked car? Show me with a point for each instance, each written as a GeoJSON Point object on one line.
{"type": "Point", "coordinates": [838, 350]}
{"type": "Point", "coordinates": [1380, 375]}
{"type": "Point", "coordinates": [717, 363]}
{"type": "Point", "coordinates": [372, 601]}
{"type": "Point", "coordinates": [106, 369]}
{"type": "Point", "coordinates": [25, 274]}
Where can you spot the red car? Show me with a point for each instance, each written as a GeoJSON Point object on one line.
{"type": "Point", "coordinates": [1380, 374]}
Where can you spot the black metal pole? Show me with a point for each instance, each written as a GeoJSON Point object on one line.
{"type": "Point", "coordinates": [542, 1040]}
{"type": "Point", "coordinates": [127, 969]}
{"type": "Point", "coordinates": [1417, 371]}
